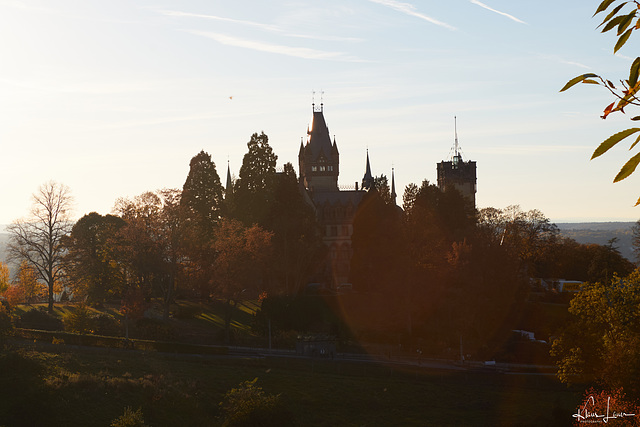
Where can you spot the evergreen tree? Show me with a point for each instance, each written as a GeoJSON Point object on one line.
{"type": "Point", "coordinates": [253, 189]}
{"type": "Point", "coordinates": [202, 195]}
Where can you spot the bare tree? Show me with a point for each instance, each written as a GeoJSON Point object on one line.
{"type": "Point", "coordinates": [37, 240]}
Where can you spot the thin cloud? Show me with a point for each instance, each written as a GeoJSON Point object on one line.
{"type": "Point", "coordinates": [266, 27]}
{"type": "Point", "coordinates": [410, 10]}
{"type": "Point", "coordinates": [577, 64]}
{"type": "Point", "coordinates": [478, 3]}
{"type": "Point", "coordinates": [220, 18]}
{"type": "Point", "coordinates": [297, 52]}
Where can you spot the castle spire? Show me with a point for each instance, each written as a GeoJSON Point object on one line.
{"type": "Point", "coordinates": [229, 186]}
{"type": "Point", "coordinates": [393, 186]}
{"type": "Point", "coordinates": [367, 179]}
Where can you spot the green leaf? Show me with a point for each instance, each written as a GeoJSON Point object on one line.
{"type": "Point", "coordinates": [613, 23]}
{"type": "Point", "coordinates": [634, 144]}
{"type": "Point", "coordinates": [611, 15]}
{"type": "Point", "coordinates": [622, 40]}
{"type": "Point", "coordinates": [603, 6]}
{"type": "Point", "coordinates": [574, 81]}
{"type": "Point", "coordinates": [624, 24]}
{"type": "Point", "coordinates": [613, 140]}
{"type": "Point", "coordinates": [633, 72]}
{"type": "Point", "coordinates": [628, 168]}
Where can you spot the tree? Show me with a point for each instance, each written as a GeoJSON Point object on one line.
{"type": "Point", "coordinates": [626, 93]}
{"type": "Point", "coordinates": [91, 261]}
{"type": "Point", "coordinates": [297, 243]}
{"type": "Point", "coordinates": [602, 341]}
{"type": "Point", "coordinates": [528, 234]}
{"type": "Point", "coordinates": [200, 209]}
{"type": "Point", "coordinates": [377, 243]}
{"type": "Point", "coordinates": [4, 278]}
{"type": "Point", "coordinates": [253, 189]}
{"type": "Point", "coordinates": [202, 195]}
{"type": "Point", "coordinates": [241, 255]}
{"type": "Point", "coordinates": [27, 284]}
{"type": "Point", "coordinates": [38, 239]}
{"type": "Point", "coordinates": [151, 242]}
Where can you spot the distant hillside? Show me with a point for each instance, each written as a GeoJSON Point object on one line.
{"type": "Point", "coordinates": [601, 233]}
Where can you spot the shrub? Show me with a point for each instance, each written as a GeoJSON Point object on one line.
{"type": "Point", "coordinates": [130, 418]}
{"type": "Point", "coordinates": [105, 324]}
{"type": "Point", "coordinates": [39, 319]}
{"type": "Point", "coordinates": [153, 329]}
{"type": "Point", "coordinates": [186, 311]}
{"type": "Point", "coordinates": [81, 320]}
{"type": "Point", "coordinates": [5, 325]}
{"type": "Point", "coordinates": [248, 406]}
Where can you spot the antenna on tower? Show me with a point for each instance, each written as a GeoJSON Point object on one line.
{"type": "Point", "coordinates": [313, 99]}
{"type": "Point", "coordinates": [455, 127]}
{"type": "Point", "coordinates": [321, 99]}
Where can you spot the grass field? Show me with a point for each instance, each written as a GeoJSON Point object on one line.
{"type": "Point", "coordinates": [70, 386]}
{"type": "Point", "coordinates": [91, 388]}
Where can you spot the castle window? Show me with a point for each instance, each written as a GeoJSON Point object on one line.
{"type": "Point", "coordinates": [314, 169]}
{"type": "Point", "coordinates": [321, 168]}
{"type": "Point", "coordinates": [330, 168]}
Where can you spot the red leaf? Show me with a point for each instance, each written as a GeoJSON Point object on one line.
{"type": "Point", "coordinates": [607, 110]}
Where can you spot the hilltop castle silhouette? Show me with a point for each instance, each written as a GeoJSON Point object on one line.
{"type": "Point", "coordinates": [319, 167]}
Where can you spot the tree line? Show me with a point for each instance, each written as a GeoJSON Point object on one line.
{"type": "Point", "coordinates": [436, 269]}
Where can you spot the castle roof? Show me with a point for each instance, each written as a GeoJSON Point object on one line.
{"type": "Point", "coordinates": [319, 140]}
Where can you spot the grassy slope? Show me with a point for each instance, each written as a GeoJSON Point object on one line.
{"type": "Point", "coordinates": [93, 389]}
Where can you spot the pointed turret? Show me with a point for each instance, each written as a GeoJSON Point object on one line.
{"type": "Point", "coordinates": [229, 186]}
{"type": "Point", "coordinates": [394, 196]}
{"type": "Point", "coordinates": [367, 179]}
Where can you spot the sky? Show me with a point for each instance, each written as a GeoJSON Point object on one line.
{"type": "Point", "coordinates": [113, 98]}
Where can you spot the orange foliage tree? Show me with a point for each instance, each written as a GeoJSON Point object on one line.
{"type": "Point", "coordinates": [241, 254]}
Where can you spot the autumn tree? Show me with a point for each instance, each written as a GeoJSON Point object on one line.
{"type": "Point", "coordinates": [528, 234]}
{"type": "Point", "coordinates": [241, 256]}
{"type": "Point", "coordinates": [602, 341]}
{"type": "Point", "coordinates": [92, 257]}
{"type": "Point", "coordinates": [4, 277]}
{"type": "Point", "coordinates": [252, 192]}
{"type": "Point", "coordinates": [27, 285]}
{"type": "Point", "coordinates": [623, 20]}
{"type": "Point", "coordinates": [37, 240]}
{"type": "Point", "coordinates": [150, 242]}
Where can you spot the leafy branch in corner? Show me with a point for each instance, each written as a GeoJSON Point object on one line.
{"type": "Point", "coordinates": [626, 93]}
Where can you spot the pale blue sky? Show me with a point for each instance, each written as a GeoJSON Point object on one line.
{"type": "Point", "coordinates": [113, 98]}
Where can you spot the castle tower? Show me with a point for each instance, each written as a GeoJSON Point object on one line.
{"type": "Point", "coordinates": [319, 159]}
{"type": "Point", "coordinates": [458, 174]}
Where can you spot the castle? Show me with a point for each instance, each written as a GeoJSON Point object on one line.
{"type": "Point", "coordinates": [319, 167]}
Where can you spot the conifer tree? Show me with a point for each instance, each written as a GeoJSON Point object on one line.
{"type": "Point", "coordinates": [254, 188]}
